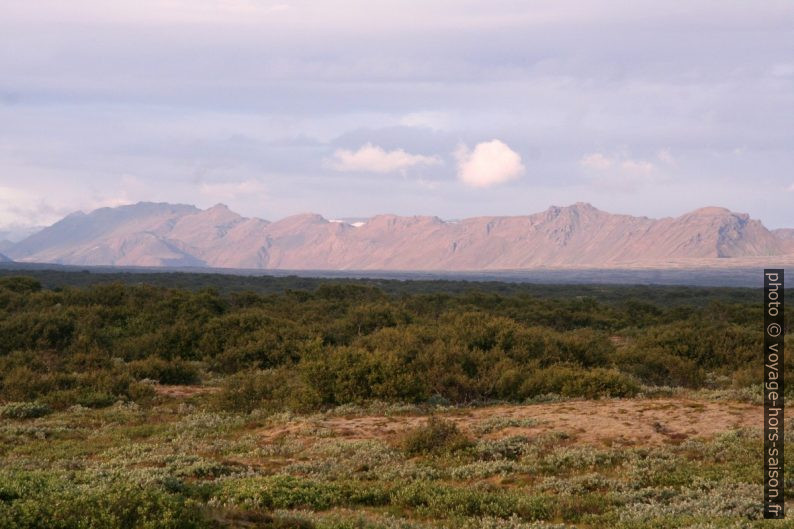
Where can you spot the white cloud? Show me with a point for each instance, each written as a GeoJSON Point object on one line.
{"type": "Point", "coordinates": [489, 163]}
{"type": "Point", "coordinates": [601, 163]}
{"type": "Point", "coordinates": [428, 184]}
{"type": "Point", "coordinates": [431, 120]}
{"type": "Point", "coordinates": [21, 208]}
{"type": "Point", "coordinates": [13, 201]}
{"type": "Point", "coordinates": [232, 190]}
{"type": "Point", "coordinates": [596, 161]}
{"type": "Point", "coordinates": [666, 157]}
{"type": "Point", "coordinates": [791, 188]}
{"type": "Point", "coordinates": [637, 167]}
{"type": "Point", "coordinates": [374, 159]}
{"type": "Point", "coordinates": [621, 172]}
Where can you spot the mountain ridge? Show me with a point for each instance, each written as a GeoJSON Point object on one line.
{"type": "Point", "coordinates": [162, 234]}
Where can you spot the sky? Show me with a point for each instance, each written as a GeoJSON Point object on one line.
{"type": "Point", "coordinates": [454, 108]}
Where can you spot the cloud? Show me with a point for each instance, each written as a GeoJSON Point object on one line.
{"type": "Point", "coordinates": [666, 157]}
{"type": "Point", "coordinates": [790, 188]}
{"type": "Point", "coordinates": [374, 159]}
{"type": "Point", "coordinates": [621, 172]}
{"type": "Point", "coordinates": [256, 72]}
{"type": "Point", "coordinates": [428, 184]}
{"type": "Point", "coordinates": [601, 163]}
{"type": "Point", "coordinates": [232, 190]}
{"type": "Point", "coordinates": [596, 161]}
{"type": "Point", "coordinates": [20, 208]}
{"type": "Point", "coordinates": [637, 167]}
{"type": "Point", "coordinates": [426, 119]}
{"type": "Point", "coordinates": [490, 163]}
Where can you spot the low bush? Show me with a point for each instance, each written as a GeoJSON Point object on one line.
{"type": "Point", "coordinates": [32, 500]}
{"type": "Point", "coordinates": [495, 424]}
{"type": "Point", "coordinates": [24, 410]}
{"type": "Point", "coordinates": [174, 371]}
{"type": "Point", "coordinates": [86, 397]}
{"type": "Point", "coordinates": [573, 381]}
{"type": "Point", "coordinates": [510, 448]}
{"type": "Point", "coordinates": [436, 436]}
{"type": "Point", "coordinates": [444, 501]}
{"type": "Point", "coordinates": [249, 390]}
{"type": "Point", "coordinates": [287, 492]}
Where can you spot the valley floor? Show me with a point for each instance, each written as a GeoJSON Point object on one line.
{"type": "Point", "coordinates": [681, 460]}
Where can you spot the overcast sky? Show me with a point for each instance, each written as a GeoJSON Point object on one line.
{"type": "Point", "coordinates": [453, 108]}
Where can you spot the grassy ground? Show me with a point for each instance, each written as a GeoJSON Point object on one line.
{"type": "Point", "coordinates": [677, 460]}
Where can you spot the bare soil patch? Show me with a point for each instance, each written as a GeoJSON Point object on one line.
{"type": "Point", "coordinates": [607, 422]}
{"type": "Point", "coordinates": [182, 391]}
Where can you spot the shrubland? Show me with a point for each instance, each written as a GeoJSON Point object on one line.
{"type": "Point", "coordinates": [346, 343]}
{"type": "Point", "coordinates": [343, 405]}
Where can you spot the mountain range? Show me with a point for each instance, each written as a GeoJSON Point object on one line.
{"type": "Point", "coordinates": [580, 235]}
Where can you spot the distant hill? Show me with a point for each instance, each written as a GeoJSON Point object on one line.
{"type": "Point", "coordinates": [15, 233]}
{"type": "Point", "coordinates": [784, 233]}
{"type": "Point", "coordinates": [149, 234]}
{"type": "Point", "coordinates": [4, 259]}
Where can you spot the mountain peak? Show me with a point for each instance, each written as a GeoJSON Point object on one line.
{"type": "Point", "coordinates": [575, 235]}
{"type": "Point", "coordinates": [302, 219]}
{"type": "Point", "coordinates": [716, 214]}
{"type": "Point", "coordinates": [785, 233]}
{"type": "Point", "coordinates": [220, 213]}
{"type": "Point", "coordinates": [710, 211]}
{"type": "Point", "coordinates": [574, 211]}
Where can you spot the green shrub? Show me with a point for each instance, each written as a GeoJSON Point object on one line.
{"type": "Point", "coordinates": [20, 284]}
{"type": "Point", "coordinates": [572, 381]}
{"type": "Point", "coordinates": [141, 392]}
{"type": "Point", "coordinates": [286, 492]}
{"type": "Point", "coordinates": [494, 424]}
{"type": "Point", "coordinates": [434, 437]}
{"type": "Point", "coordinates": [510, 448]}
{"type": "Point", "coordinates": [21, 382]}
{"type": "Point", "coordinates": [45, 377]}
{"type": "Point", "coordinates": [262, 520]}
{"type": "Point", "coordinates": [655, 366]}
{"type": "Point", "coordinates": [345, 375]}
{"type": "Point", "coordinates": [444, 501]}
{"type": "Point", "coordinates": [33, 500]}
{"type": "Point", "coordinates": [24, 410]}
{"type": "Point", "coordinates": [85, 396]}
{"type": "Point", "coordinates": [174, 371]}
{"type": "Point", "coordinates": [250, 390]}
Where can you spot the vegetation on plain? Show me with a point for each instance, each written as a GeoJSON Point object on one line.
{"type": "Point", "coordinates": [90, 438]}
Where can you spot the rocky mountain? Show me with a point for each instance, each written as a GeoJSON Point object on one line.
{"type": "Point", "coordinates": [784, 233]}
{"type": "Point", "coordinates": [148, 234]}
{"type": "Point", "coordinates": [127, 235]}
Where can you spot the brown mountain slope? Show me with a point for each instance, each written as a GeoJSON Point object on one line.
{"type": "Point", "coordinates": [578, 235]}
{"type": "Point", "coordinates": [786, 234]}
{"type": "Point", "coordinates": [126, 235]}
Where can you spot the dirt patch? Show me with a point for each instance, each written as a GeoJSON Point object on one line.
{"type": "Point", "coordinates": [183, 391]}
{"type": "Point", "coordinates": [607, 422]}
